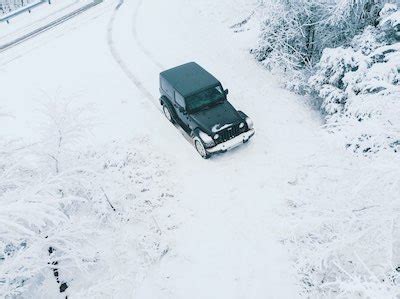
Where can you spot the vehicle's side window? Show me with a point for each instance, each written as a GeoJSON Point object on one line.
{"type": "Point", "coordinates": [162, 84]}
{"type": "Point", "coordinates": [179, 100]}
{"type": "Point", "coordinates": [165, 86]}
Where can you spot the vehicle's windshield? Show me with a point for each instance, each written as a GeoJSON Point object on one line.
{"type": "Point", "coordinates": [206, 98]}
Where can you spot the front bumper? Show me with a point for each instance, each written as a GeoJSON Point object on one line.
{"type": "Point", "coordinates": [232, 143]}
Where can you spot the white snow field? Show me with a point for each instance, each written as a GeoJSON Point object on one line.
{"type": "Point", "coordinates": [224, 228]}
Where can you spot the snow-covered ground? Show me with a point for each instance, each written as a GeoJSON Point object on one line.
{"type": "Point", "coordinates": [224, 225]}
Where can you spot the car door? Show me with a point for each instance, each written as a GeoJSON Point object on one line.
{"type": "Point", "coordinates": [179, 104]}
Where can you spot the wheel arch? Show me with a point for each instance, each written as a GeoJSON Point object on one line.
{"type": "Point", "coordinates": [195, 133]}
{"type": "Point", "coordinates": [206, 154]}
{"type": "Point", "coordinates": [165, 101]}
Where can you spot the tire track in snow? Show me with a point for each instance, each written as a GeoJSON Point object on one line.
{"type": "Point", "coordinates": [117, 57]}
{"type": "Point", "coordinates": [138, 42]}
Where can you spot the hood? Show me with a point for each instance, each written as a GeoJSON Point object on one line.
{"type": "Point", "coordinates": [216, 118]}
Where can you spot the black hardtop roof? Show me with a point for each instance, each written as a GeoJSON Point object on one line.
{"type": "Point", "coordinates": [189, 78]}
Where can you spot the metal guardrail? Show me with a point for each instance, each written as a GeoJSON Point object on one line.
{"type": "Point", "coordinates": [46, 27]}
{"type": "Point", "coordinates": [21, 10]}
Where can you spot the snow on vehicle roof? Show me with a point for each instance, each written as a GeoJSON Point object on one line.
{"type": "Point", "coordinates": [189, 78]}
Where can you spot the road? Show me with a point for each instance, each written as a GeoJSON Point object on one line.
{"type": "Point", "coordinates": [42, 29]}
{"type": "Point", "coordinates": [229, 247]}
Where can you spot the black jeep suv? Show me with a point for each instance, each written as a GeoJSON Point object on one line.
{"type": "Point", "coordinates": [195, 100]}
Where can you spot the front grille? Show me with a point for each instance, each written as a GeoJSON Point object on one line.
{"type": "Point", "coordinates": [229, 133]}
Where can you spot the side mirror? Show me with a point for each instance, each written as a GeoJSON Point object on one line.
{"type": "Point", "coordinates": [226, 91]}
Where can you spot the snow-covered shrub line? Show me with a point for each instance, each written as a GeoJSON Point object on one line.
{"type": "Point", "coordinates": [294, 33]}
{"type": "Point", "coordinates": [346, 55]}
{"type": "Point", "coordinates": [359, 86]}
{"type": "Point", "coordinates": [345, 237]}
{"type": "Point", "coordinates": [82, 222]}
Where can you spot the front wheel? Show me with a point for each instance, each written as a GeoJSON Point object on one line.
{"type": "Point", "coordinates": [201, 149]}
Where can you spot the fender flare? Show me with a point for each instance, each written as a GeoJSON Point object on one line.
{"type": "Point", "coordinates": [242, 114]}
{"type": "Point", "coordinates": [195, 133]}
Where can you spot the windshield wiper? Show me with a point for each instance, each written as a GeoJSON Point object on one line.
{"type": "Point", "coordinates": [205, 107]}
{"type": "Point", "coordinates": [215, 103]}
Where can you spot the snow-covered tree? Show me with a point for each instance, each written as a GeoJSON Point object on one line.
{"type": "Point", "coordinates": [295, 33]}
{"type": "Point", "coordinates": [65, 125]}
{"type": "Point", "coordinates": [360, 85]}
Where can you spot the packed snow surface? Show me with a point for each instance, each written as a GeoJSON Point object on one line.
{"type": "Point", "coordinates": [207, 229]}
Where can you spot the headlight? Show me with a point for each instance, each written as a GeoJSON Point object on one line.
{"type": "Point", "coordinates": [216, 136]}
{"type": "Point", "coordinates": [249, 123]}
{"type": "Point", "coordinates": [206, 139]}
{"type": "Point", "coordinates": [241, 125]}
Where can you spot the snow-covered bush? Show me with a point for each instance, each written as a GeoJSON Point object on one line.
{"type": "Point", "coordinates": [360, 86]}
{"type": "Point", "coordinates": [345, 229]}
{"type": "Point", "coordinates": [345, 237]}
{"type": "Point", "coordinates": [90, 219]}
{"type": "Point", "coordinates": [286, 37]}
{"type": "Point", "coordinates": [294, 33]}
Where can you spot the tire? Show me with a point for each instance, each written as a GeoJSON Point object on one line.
{"type": "Point", "coordinates": [167, 113]}
{"type": "Point", "coordinates": [201, 149]}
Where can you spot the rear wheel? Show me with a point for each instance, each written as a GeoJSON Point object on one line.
{"type": "Point", "coordinates": [201, 149]}
{"type": "Point", "coordinates": [167, 113]}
